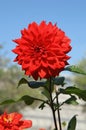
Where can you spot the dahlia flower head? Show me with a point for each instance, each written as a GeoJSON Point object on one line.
{"type": "Point", "coordinates": [13, 121]}
{"type": "Point", "coordinates": [42, 50]}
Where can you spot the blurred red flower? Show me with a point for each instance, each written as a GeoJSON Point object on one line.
{"type": "Point", "coordinates": [42, 129]}
{"type": "Point", "coordinates": [13, 121]}
{"type": "Point", "coordinates": [42, 49]}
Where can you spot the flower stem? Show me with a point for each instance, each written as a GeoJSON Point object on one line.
{"type": "Point", "coordinates": [58, 112]}
{"type": "Point", "coordinates": [52, 107]}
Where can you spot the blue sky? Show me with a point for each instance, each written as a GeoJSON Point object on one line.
{"type": "Point", "coordinates": [70, 16]}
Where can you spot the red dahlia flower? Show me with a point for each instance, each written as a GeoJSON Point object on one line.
{"type": "Point", "coordinates": [42, 49]}
{"type": "Point", "coordinates": [13, 121]}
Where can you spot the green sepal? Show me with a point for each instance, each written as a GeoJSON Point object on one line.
{"type": "Point", "coordinates": [72, 123]}
{"type": "Point", "coordinates": [34, 84]}
{"type": "Point", "coordinates": [75, 69]}
{"type": "Point", "coordinates": [59, 80]}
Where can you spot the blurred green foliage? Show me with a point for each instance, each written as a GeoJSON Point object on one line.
{"type": "Point", "coordinates": [80, 80]}
{"type": "Point", "coordinates": [10, 74]}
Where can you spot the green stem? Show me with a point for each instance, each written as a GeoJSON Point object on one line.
{"type": "Point", "coordinates": [58, 112]}
{"type": "Point", "coordinates": [52, 107]}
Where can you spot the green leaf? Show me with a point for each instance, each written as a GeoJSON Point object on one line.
{"type": "Point", "coordinates": [22, 81]}
{"type": "Point", "coordinates": [73, 90]}
{"type": "Point", "coordinates": [46, 93]}
{"type": "Point", "coordinates": [8, 101]}
{"type": "Point", "coordinates": [71, 100]}
{"type": "Point", "coordinates": [31, 84]}
{"type": "Point", "coordinates": [72, 123]}
{"type": "Point", "coordinates": [59, 80]}
{"type": "Point", "coordinates": [27, 99]}
{"type": "Point", "coordinates": [42, 106]}
{"type": "Point", "coordinates": [75, 69]}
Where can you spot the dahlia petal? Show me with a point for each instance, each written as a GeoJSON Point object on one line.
{"type": "Point", "coordinates": [15, 117]}
{"type": "Point", "coordinates": [17, 40]}
{"type": "Point", "coordinates": [1, 127]}
{"type": "Point", "coordinates": [17, 50]}
{"type": "Point", "coordinates": [42, 73]}
{"type": "Point", "coordinates": [44, 64]}
{"type": "Point", "coordinates": [25, 124]}
{"type": "Point", "coordinates": [35, 75]}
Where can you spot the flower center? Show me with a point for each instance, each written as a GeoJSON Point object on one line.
{"type": "Point", "coordinates": [37, 49]}
{"type": "Point", "coordinates": [7, 119]}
